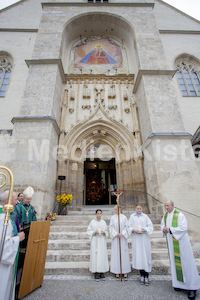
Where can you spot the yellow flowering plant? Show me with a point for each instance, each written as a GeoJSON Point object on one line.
{"type": "Point", "coordinates": [64, 199]}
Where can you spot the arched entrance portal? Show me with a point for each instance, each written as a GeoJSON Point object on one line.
{"type": "Point", "coordinates": [99, 155]}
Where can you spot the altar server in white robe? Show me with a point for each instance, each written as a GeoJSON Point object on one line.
{"type": "Point", "coordinates": [10, 250]}
{"type": "Point", "coordinates": [141, 228]}
{"type": "Point", "coordinates": [115, 250]}
{"type": "Point", "coordinates": [183, 268]}
{"type": "Point", "coordinates": [97, 230]}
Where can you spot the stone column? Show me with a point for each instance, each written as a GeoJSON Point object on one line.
{"type": "Point", "coordinates": [170, 169]}
{"type": "Point", "coordinates": [36, 132]}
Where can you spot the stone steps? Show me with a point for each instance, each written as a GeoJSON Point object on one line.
{"type": "Point", "coordinates": [84, 255]}
{"type": "Point", "coordinates": [82, 268]}
{"type": "Point", "coordinates": [85, 244]}
{"type": "Point", "coordinates": [69, 245]}
{"type": "Point", "coordinates": [80, 228]}
{"type": "Point", "coordinates": [83, 235]}
{"type": "Point", "coordinates": [89, 216]}
{"type": "Point", "coordinates": [86, 221]}
{"type": "Point", "coordinates": [159, 267]}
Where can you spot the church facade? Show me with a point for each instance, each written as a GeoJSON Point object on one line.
{"type": "Point", "coordinates": [96, 95]}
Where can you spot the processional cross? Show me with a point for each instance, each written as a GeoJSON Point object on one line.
{"type": "Point", "coordinates": [118, 193]}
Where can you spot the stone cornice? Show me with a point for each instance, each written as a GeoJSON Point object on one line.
{"type": "Point", "coordinates": [38, 119]}
{"type": "Point", "coordinates": [151, 72]}
{"type": "Point", "coordinates": [18, 30]}
{"type": "Point", "coordinates": [4, 131]}
{"type": "Point", "coordinates": [176, 135]}
{"type": "Point", "coordinates": [166, 136]}
{"type": "Point", "coordinates": [196, 137]}
{"type": "Point", "coordinates": [89, 77]}
{"type": "Point", "coordinates": [48, 62]}
{"type": "Point", "coordinates": [166, 31]}
{"type": "Point", "coordinates": [97, 4]}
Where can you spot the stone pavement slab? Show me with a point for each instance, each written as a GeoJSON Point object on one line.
{"type": "Point", "coordinates": [86, 288]}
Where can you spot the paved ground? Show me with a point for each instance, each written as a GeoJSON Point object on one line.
{"type": "Point", "coordinates": [85, 288]}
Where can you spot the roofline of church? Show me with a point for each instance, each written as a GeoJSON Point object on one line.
{"type": "Point", "coordinates": [178, 10]}
{"type": "Point", "coordinates": [108, 4]}
{"type": "Point", "coordinates": [136, 4]}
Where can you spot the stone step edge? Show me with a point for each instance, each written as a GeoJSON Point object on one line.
{"type": "Point", "coordinates": [109, 276]}
{"type": "Point", "coordinates": [85, 265]}
{"type": "Point", "coordinates": [70, 241]}
{"type": "Point", "coordinates": [87, 251]}
{"type": "Point", "coordinates": [57, 233]}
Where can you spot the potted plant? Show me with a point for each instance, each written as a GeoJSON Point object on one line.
{"type": "Point", "coordinates": [64, 200]}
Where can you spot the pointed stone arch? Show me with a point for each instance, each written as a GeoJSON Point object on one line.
{"type": "Point", "coordinates": [118, 142]}
{"type": "Point", "coordinates": [100, 128]}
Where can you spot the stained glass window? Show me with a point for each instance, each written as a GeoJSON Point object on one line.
{"type": "Point", "coordinates": [189, 80]}
{"type": "Point", "coordinates": [5, 72]}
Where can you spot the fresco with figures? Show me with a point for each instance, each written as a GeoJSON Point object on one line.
{"type": "Point", "coordinates": [98, 55]}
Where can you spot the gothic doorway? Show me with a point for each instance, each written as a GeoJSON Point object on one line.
{"type": "Point", "coordinates": [99, 180]}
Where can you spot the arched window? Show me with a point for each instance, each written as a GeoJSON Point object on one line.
{"type": "Point", "coordinates": [5, 72]}
{"type": "Point", "coordinates": [189, 79]}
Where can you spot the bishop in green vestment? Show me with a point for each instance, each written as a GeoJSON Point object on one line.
{"type": "Point", "coordinates": [25, 211]}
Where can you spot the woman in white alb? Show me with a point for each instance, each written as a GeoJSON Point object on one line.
{"type": "Point", "coordinates": [97, 230]}
{"type": "Point", "coordinates": [115, 253]}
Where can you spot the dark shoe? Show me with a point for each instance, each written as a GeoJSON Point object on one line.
{"type": "Point", "coordinates": [102, 276]}
{"type": "Point", "coordinates": [177, 289]}
{"type": "Point", "coordinates": [96, 276]}
{"type": "Point", "coordinates": [192, 295]}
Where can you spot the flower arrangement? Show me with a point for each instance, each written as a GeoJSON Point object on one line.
{"type": "Point", "coordinates": [64, 199]}
{"type": "Point", "coordinates": [51, 216]}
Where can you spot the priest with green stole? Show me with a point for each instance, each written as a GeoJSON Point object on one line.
{"type": "Point", "coordinates": [183, 268]}
{"type": "Point", "coordinates": [25, 211]}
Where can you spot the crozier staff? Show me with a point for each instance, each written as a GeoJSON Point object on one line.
{"type": "Point", "coordinates": [183, 268]}
{"type": "Point", "coordinates": [119, 231]}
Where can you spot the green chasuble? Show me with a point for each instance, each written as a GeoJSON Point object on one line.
{"type": "Point", "coordinates": [26, 214]}
{"type": "Point", "coordinates": [177, 257]}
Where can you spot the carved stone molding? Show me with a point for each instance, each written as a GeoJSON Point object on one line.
{"type": "Point", "coordinates": [86, 106]}
{"type": "Point", "coordinates": [127, 109]}
{"type": "Point", "coordinates": [112, 92]}
{"type": "Point", "coordinates": [99, 79]}
{"type": "Point", "coordinates": [86, 92]}
{"type": "Point", "coordinates": [65, 99]}
{"type": "Point", "coordinates": [99, 132]}
{"type": "Point", "coordinates": [112, 107]}
{"type": "Point", "coordinates": [72, 95]}
{"type": "Point", "coordinates": [125, 95]}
